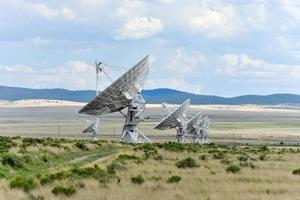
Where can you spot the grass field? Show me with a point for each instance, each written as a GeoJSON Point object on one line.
{"type": "Point", "coordinates": [48, 168]}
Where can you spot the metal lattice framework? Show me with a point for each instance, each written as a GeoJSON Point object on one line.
{"type": "Point", "coordinates": [194, 123]}
{"type": "Point", "coordinates": [123, 93]}
{"type": "Point", "coordinates": [175, 118]}
{"type": "Point", "coordinates": [118, 95]}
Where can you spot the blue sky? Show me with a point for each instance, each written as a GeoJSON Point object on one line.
{"type": "Point", "coordinates": [227, 48]}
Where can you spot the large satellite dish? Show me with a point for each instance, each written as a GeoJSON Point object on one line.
{"type": "Point", "coordinates": [124, 93]}
{"type": "Point", "coordinates": [118, 95]}
{"type": "Point", "coordinates": [175, 119]}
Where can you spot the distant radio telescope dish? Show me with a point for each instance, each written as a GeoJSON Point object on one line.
{"type": "Point", "coordinates": [198, 128]}
{"type": "Point", "coordinates": [124, 93]}
{"type": "Point", "coordinates": [91, 128]}
{"type": "Point", "coordinates": [175, 119]}
{"type": "Point", "coordinates": [194, 122]}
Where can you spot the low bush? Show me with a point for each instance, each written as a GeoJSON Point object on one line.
{"type": "Point", "coordinates": [114, 167]}
{"type": "Point", "coordinates": [89, 172]}
{"type": "Point", "coordinates": [82, 146]}
{"type": "Point", "coordinates": [174, 179]}
{"type": "Point", "coordinates": [124, 157]}
{"type": "Point", "coordinates": [187, 163]}
{"type": "Point", "coordinates": [25, 183]}
{"type": "Point", "coordinates": [137, 179]}
{"type": "Point", "coordinates": [5, 144]}
{"type": "Point", "coordinates": [263, 148]}
{"type": "Point", "coordinates": [172, 146]}
{"type": "Point", "coordinates": [80, 184]}
{"type": "Point", "coordinates": [234, 168]}
{"type": "Point", "coordinates": [296, 171]}
{"type": "Point", "coordinates": [263, 157]}
{"type": "Point", "coordinates": [226, 161]}
{"type": "Point", "coordinates": [247, 164]}
{"type": "Point", "coordinates": [37, 197]}
{"type": "Point", "coordinates": [158, 157]}
{"type": "Point", "coordinates": [49, 178]}
{"type": "Point", "coordinates": [203, 157]}
{"type": "Point", "coordinates": [31, 141]}
{"type": "Point", "coordinates": [13, 161]}
{"type": "Point", "coordinates": [68, 191]}
{"type": "Point", "coordinates": [219, 155]}
{"type": "Point", "coordinates": [242, 158]}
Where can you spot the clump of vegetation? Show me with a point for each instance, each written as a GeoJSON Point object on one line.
{"type": "Point", "coordinates": [149, 150]}
{"type": "Point", "coordinates": [124, 157]}
{"type": "Point", "coordinates": [243, 158]}
{"type": "Point", "coordinates": [82, 146]}
{"type": "Point", "coordinates": [80, 184]}
{"type": "Point", "coordinates": [31, 141]}
{"type": "Point", "coordinates": [21, 182]}
{"type": "Point", "coordinates": [187, 163]}
{"type": "Point", "coordinates": [37, 197]}
{"type": "Point", "coordinates": [89, 172]}
{"type": "Point", "coordinates": [139, 179]}
{"type": "Point", "coordinates": [159, 157]}
{"type": "Point", "coordinates": [5, 144]}
{"type": "Point", "coordinates": [296, 171]}
{"type": "Point", "coordinates": [247, 164]}
{"type": "Point", "coordinates": [13, 161]}
{"type": "Point", "coordinates": [55, 176]}
{"type": "Point", "coordinates": [263, 148]}
{"type": "Point", "coordinates": [203, 157]}
{"type": "Point", "coordinates": [114, 167]}
{"type": "Point", "coordinates": [234, 168]}
{"type": "Point", "coordinates": [174, 179]}
{"type": "Point", "coordinates": [226, 161]}
{"type": "Point", "coordinates": [93, 172]}
{"type": "Point", "coordinates": [68, 191]}
{"type": "Point", "coordinates": [172, 146]}
{"type": "Point", "coordinates": [219, 155]}
{"type": "Point", "coordinates": [263, 157]}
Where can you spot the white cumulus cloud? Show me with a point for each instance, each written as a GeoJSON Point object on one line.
{"type": "Point", "coordinates": [140, 27]}
{"type": "Point", "coordinates": [16, 68]}
{"type": "Point", "coordinates": [61, 13]}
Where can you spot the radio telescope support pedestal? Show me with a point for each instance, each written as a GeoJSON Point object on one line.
{"type": "Point", "coordinates": [180, 134]}
{"type": "Point", "coordinates": [204, 134]}
{"type": "Point", "coordinates": [131, 132]}
{"type": "Point", "coordinates": [197, 139]}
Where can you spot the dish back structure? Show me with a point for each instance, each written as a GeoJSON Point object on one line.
{"type": "Point", "coordinates": [123, 93]}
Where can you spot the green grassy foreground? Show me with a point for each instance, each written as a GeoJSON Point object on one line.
{"type": "Point", "coordinates": [48, 168]}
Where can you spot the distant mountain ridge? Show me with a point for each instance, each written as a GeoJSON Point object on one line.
{"type": "Point", "coordinates": [151, 96]}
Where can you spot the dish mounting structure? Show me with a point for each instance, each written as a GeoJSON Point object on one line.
{"type": "Point", "coordinates": [176, 119]}
{"type": "Point", "coordinates": [125, 92]}
{"type": "Point", "coordinates": [198, 128]}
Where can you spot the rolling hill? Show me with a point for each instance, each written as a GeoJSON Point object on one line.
{"type": "Point", "coordinates": [151, 96]}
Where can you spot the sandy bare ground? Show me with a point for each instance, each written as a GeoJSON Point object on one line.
{"type": "Point", "coordinates": [43, 118]}
{"type": "Point", "coordinates": [38, 103]}
{"type": "Point", "coordinates": [246, 108]}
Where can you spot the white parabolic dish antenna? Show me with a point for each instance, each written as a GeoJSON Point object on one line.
{"type": "Point", "coordinates": [194, 123]}
{"type": "Point", "coordinates": [122, 93]}
{"type": "Point", "coordinates": [118, 95]}
{"type": "Point", "coordinates": [175, 119]}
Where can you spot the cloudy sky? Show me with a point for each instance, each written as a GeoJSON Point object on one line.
{"type": "Point", "coordinates": [220, 47]}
